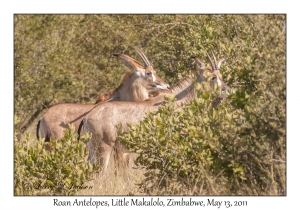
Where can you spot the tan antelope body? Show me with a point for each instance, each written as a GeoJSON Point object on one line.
{"type": "Point", "coordinates": [135, 86]}
{"type": "Point", "coordinates": [102, 120]}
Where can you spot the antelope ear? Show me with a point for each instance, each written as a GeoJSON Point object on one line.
{"type": "Point", "coordinates": [199, 64]}
{"type": "Point", "coordinates": [129, 62]}
{"type": "Point", "coordinates": [219, 62]}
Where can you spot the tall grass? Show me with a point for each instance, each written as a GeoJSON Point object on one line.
{"type": "Point", "coordinates": [116, 181]}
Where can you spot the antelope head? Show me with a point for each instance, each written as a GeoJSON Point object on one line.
{"type": "Point", "coordinates": [146, 75]}
{"type": "Point", "coordinates": [215, 73]}
{"type": "Point", "coordinates": [150, 75]}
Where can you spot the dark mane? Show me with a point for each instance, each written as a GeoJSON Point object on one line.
{"type": "Point", "coordinates": [179, 87]}
{"type": "Point", "coordinates": [182, 85]}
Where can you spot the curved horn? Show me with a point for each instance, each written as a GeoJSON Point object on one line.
{"type": "Point", "coordinates": [215, 64]}
{"type": "Point", "coordinates": [212, 64]}
{"type": "Point", "coordinates": [145, 59]}
{"type": "Point", "coordinates": [215, 60]}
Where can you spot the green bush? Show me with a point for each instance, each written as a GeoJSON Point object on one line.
{"type": "Point", "coordinates": [61, 171]}
{"type": "Point", "coordinates": [239, 148]}
{"type": "Point", "coordinates": [203, 150]}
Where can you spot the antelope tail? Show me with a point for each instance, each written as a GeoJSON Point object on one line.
{"type": "Point", "coordinates": [37, 130]}
{"type": "Point", "coordinates": [79, 129]}
{"type": "Point", "coordinates": [47, 137]}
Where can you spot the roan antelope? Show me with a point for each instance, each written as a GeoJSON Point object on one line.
{"type": "Point", "coordinates": [135, 86]}
{"type": "Point", "coordinates": [102, 120]}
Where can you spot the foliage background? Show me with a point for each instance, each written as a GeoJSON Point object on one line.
{"type": "Point", "coordinates": [68, 58]}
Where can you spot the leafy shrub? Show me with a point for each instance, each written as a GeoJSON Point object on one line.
{"type": "Point", "coordinates": [238, 148]}
{"type": "Point", "coordinates": [61, 171]}
{"type": "Point", "coordinates": [175, 152]}
{"type": "Point", "coordinates": [203, 150]}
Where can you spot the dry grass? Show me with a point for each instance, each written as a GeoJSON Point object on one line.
{"type": "Point", "coordinates": [121, 181]}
